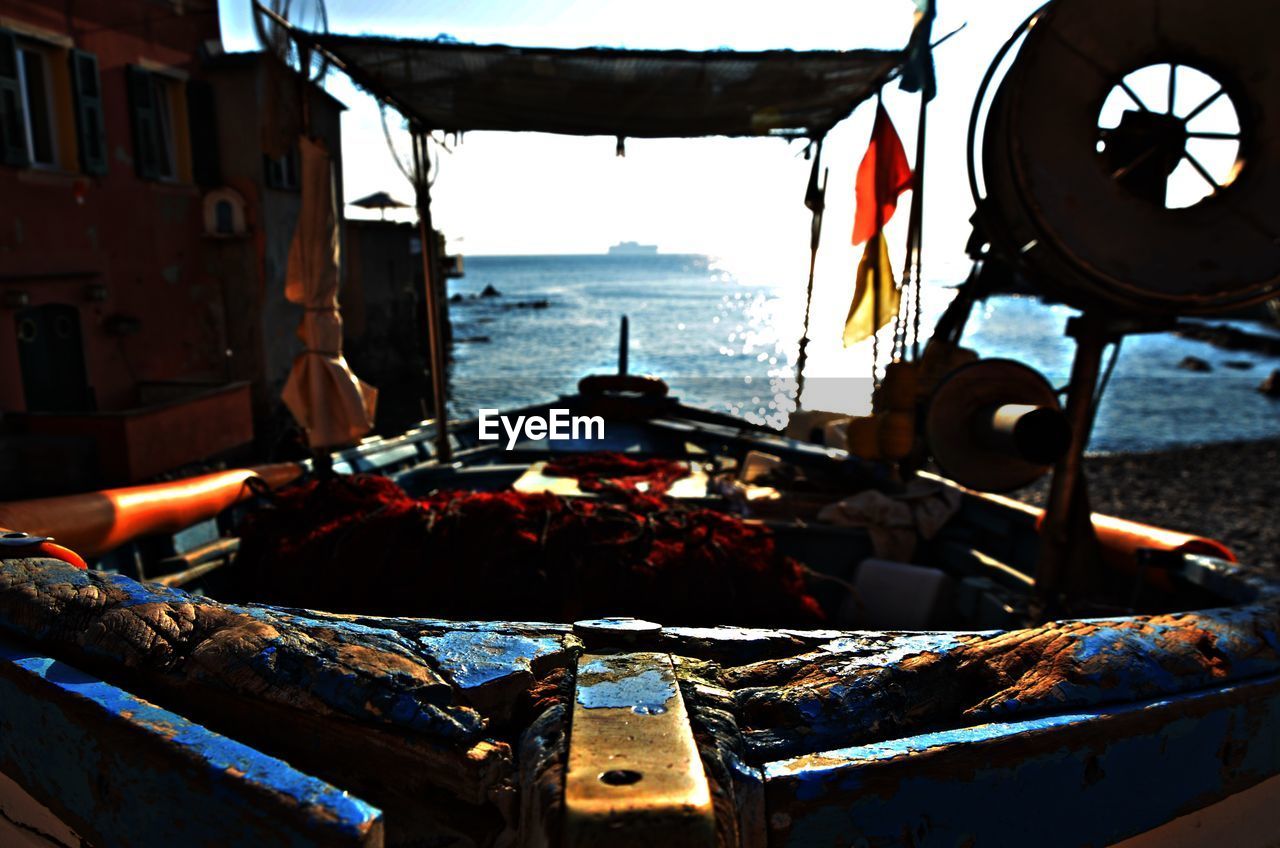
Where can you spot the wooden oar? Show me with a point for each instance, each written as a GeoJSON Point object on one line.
{"type": "Point", "coordinates": [93, 523]}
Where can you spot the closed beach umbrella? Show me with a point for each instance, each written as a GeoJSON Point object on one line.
{"type": "Point", "coordinates": [334, 405]}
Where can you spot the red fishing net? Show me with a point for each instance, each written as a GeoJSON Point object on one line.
{"type": "Point", "coordinates": [610, 471]}
{"type": "Point", "coordinates": [361, 544]}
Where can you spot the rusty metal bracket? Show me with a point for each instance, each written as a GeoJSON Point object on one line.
{"type": "Point", "coordinates": [635, 777]}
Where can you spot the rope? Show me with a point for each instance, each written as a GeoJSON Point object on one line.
{"type": "Point", "coordinates": [917, 303]}
{"type": "Point", "coordinates": [395, 155]}
{"type": "Point", "coordinates": [1106, 375]}
{"type": "Point", "coordinates": [875, 360]}
{"type": "Point", "coordinates": [900, 321]}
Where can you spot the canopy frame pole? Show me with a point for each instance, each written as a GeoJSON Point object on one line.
{"type": "Point", "coordinates": [430, 281]}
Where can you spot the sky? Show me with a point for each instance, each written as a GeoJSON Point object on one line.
{"type": "Point", "coordinates": [737, 199]}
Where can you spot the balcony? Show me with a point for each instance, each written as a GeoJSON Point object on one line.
{"type": "Point", "coordinates": [173, 424]}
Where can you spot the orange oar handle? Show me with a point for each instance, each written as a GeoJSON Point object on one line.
{"type": "Point", "coordinates": [96, 522]}
{"type": "Point", "coordinates": [1125, 537]}
{"type": "Point", "coordinates": [1120, 540]}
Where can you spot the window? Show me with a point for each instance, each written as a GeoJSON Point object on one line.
{"type": "Point", "coordinates": [202, 122]}
{"type": "Point", "coordinates": [31, 95]}
{"type": "Point", "coordinates": [282, 171]}
{"type": "Point", "coordinates": [13, 124]}
{"type": "Point", "coordinates": [163, 98]}
{"type": "Point", "coordinates": [224, 213]}
{"type": "Point", "coordinates": [37, 107]}
{"type": "Point", "coordinates": [88, 108]}
{"type": "Point", "coordinates": [50, 106]}
{"type": "Point", "coordinates": [224, 218]}
{"type": "Point", "coordinates": [158, 104]}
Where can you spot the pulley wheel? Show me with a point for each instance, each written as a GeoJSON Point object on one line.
{"type": "Point", "coordinates": [1084, 209]}
{"type": "Point", "coordinates": [958, 425]}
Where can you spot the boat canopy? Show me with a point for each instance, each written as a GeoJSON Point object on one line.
{"type": "Point", "coordinates": [449, 86]}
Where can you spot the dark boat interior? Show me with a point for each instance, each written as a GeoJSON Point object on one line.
{"type": "Point", "coordinates": [975, 572]}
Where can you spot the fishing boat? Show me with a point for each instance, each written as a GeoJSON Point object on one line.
{"type": "Point", "coordinates": [633, 248]}
{"type": "Point", "coordinates": [688, 629]}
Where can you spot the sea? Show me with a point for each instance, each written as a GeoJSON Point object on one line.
{"type": "Point", "coordinates": [729, 343]}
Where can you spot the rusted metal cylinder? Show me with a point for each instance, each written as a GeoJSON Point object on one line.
{"type": "Point", "coordinates": [1038, 434]}
{"type": "Point", "coordinates": [995, 425]}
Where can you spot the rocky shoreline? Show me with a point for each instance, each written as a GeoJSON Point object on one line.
{"type": "Point", "coordinates": [1229, 492]}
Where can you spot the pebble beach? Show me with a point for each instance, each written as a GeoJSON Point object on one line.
{"type": "Point", "coordinates": [1228, 491]}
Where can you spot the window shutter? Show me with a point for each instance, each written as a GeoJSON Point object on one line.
{"type": "Point", "coordinates": [272, 172]}
{"type": "Point", "coordinates": [90, 133]}
{"type": "Point", "coordinates": [145, 128]}
{"type": "Point", "coordinates": [13, 128]}
{"type": "Point", "coordinates": [202, 121]}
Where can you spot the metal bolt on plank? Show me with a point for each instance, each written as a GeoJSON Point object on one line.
{"type": "Point", "coordinates": [615, 632]}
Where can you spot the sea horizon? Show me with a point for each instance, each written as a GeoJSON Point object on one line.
{"type": "Point", "coordinates": [731, 346]}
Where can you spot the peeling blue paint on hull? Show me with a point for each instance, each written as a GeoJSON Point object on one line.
{"type": "Point", "coordinates": [122, 771]}
{"type": "Point", "coordinates": [1139, 720]}
{"type": "Point", "coordinates": [1086, 778]}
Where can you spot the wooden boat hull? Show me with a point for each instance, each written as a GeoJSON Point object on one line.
{"type": "Point", "coordinates": [290, 726]}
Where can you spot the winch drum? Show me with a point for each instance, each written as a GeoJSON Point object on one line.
{"type": "Point", "coordinates": [1052, 205]}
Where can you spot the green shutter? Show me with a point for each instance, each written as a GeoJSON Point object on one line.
{"type": "Point", "coordinates": [202, 121]}
{"type": "Point", "coordinates": [13, 127]}
{"type": "Point", "coordinates": [146, 128]}
{"type": "Point", "coordinates": [90, 133]}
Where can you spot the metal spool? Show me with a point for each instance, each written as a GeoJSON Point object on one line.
{"type": "Point", "coordinates": [1082, 210]}
{"type": "Point", "coordinates": [995, 425]}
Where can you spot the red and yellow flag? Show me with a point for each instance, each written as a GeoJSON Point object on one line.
{"type": "Point", "coordinates": [883, 174]}
{"type": "Point", "coordinates": [875, 295]}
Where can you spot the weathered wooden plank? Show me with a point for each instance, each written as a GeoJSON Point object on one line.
{"type": "Point", "coordinates": [1078, 778]}
{"type": "Point", "coordinates": [543, 753]}
{"type": "Point", "coordinates": [412, 628]}
{"type": "Point", "coordinates": [737, 786]}
{"type": "Point", "coordinates": [490, 669]}
{"type": "Point", "coordinates": [320, 667]}
{"type": "Point", "coordinates": [726, 644]}
{"type": "Point", "coordinates": [737, 645]}
{"type": "Point", "coordinates": [352, 704]}
{"type": "Point", "coordinates": [414, 714]}
{"type": "Point", "coordinates": [877, 686]}
{"type": "Point", "coordinates": [488, 663]}
{"type": "Point", "coordinates": [124, 772]}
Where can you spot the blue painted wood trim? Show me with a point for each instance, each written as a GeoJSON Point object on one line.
{"type": "Point", "coordinates": [123, 772]}
{"type": "Point", "coordinates": [1082, 778]}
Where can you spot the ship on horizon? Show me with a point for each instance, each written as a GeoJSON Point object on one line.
{"type": "Point", "coordinates": [633, 248]}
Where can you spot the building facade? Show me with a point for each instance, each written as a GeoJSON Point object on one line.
{"type": "Point", "coordinates": [148, 195]}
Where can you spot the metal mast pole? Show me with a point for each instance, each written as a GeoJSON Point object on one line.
{"type": "Point", "coordinates": [430, 282]}
{"type": "Point", "coordinates": [815, 200]}
{"type": "Point", "coordinates": [915, 228]}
